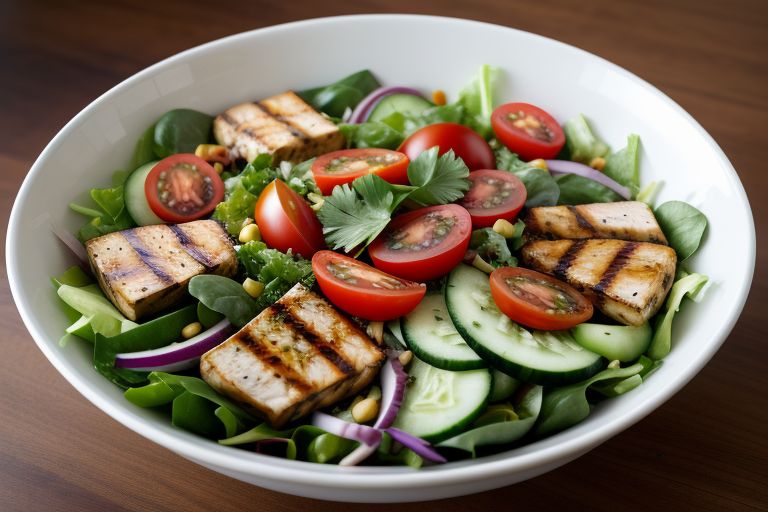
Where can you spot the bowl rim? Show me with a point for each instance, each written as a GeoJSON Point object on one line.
{"type": "Point", "coordinates": [306, 473]}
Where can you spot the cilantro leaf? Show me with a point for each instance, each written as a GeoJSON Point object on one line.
{"type": "Point", "coordinates": [440, 179]}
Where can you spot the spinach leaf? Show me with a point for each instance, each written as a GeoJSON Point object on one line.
{"type": "Point", "coordinates": [623, 165]}
{"type": "Point", "coordinates": [541, 187]}
{"type": "Point", "coordinates": [564, 407]}
{"type": "Point", "coordinates": [372, 135]}
{"type": "Point", "coordinates": [580, 190]}
{"type": "Point", "coordinates": [329, 448]}
{"type": "Point", "coordinates": [683, 225]}
{"type": "Point", "coordinates": [335, 98]}
{"type": "Point", "coordinates": [500, 424]}
{"type": "Point", "coordinates": [583, 145]}
{"type": "Point", "coordinates": [156, 333]}
{"type": "Point", "coordinates": [661, 342]}
{"type": "Point", "coordinates": [110, 213]}
{"type": "Point", "coordinates": [494, 248]}
{"type": "Point", "coordinates": [224, 296]}
{"type": "Point", "coordinates": [181, 131]}
{"type": "Point", "coordinates": [207, 317]}
{"type": "Point", "coordinates": [145, 149]}
{"type": "Point", "coordinates": [296, 440]}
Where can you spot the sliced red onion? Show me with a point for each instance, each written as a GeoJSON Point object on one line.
{"type": "Point", "coordinates": [354, 431]}
{"type": "Point", "coordinates": [419, 446]}
{"type": "Point", "coordinates": [393, 380]}
{"type": "Point", "coordinates": [72, 243]}
{"type": "Point", "coordinates": [364, 108]}
{"type": "Point", "coordinates": [176, 356]}
{"type": "Point", "coordinates": [585, 171]}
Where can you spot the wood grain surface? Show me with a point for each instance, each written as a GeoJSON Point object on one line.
{"type": "Point", "coordinates": [705, 449]}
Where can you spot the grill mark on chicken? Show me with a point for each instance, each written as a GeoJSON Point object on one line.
{"type": "Point", "coordinates": [619, 261]}
{"type": "Point", "coordinates": [281, 119]}
{"type": "Point", "coordinates": [191, 248]}
{"type": "Point", "coordinates": [146, 256]}
{"type": "Point", "coordinates": [325, 349]}
{"type": "Point", "coordinates": [561, 270]}
{"type": "Point", "coordinates": [583, 222]}
{"type": "Point", "coordinates": [281, 370]}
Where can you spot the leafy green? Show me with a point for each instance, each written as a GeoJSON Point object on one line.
{"type": "Point", "coordinates": [296, 441]}
{"type": "Point", "coordinates": [689, 285]}
{"type": "Point", "coordinates": [335, 98]}
{"type": "Point", "coordinates": [277, 270]}
{"type": "Point", "coordinates": [98, 314]}
{"type": "Point", "coordinates": [225, 296]}
{"type": "Point", "coordinates": [156, 333]}
{"type": "Point", "coordinates": [494, 248]}
{"type": "Point", "coordinates": [181, 131]}
{"type": "Point", "coordinates": [541, 187]}
{"type": "Point", "coordinates": [236, 207]}
{"type": "Point", "coordinates": [145, 149]}
{"type": "Point", "coordinates": [329, 448]}
{"type": "Point", "coordinates": [440, 179]}
{"type": "Point", "coordinates": [500, 424]}
{"type": "Point", "coordinates": [567, 406]}
{"type": "Point", "coordinates": [648, 193]}
{"type": "Point", "coordinates": [374, 134]}
{"type": "Point", "coordinates": [196, 407]}
{"type": "Point", "coordinates": [623, 165]}
{"type": "Point", "coordinates": [409, 123]}
{"type": "Point", "coordinates": [683, 226]}
{"type": "Point", "coordinates": [477, 100]}
{"type": "Point", "coordinates": [207, 317]}
{"type": "Point", "coordinates": [583, 145]}
{"type": "Point", "coordinates": [110, 213]}
{"type": "Point", "coordinates": [580, 190]}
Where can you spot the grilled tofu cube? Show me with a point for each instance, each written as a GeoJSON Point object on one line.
{"type": "Point", "coordinates": [146, 269]}
{"type": "Point", "coordinates": [284, 126]}
{"type": "Point", "coordinates": [626, 220]}
{"type": "Point", "coordinates": [296, 356]}
{"type": "Point", "coordinates": [627, 281]}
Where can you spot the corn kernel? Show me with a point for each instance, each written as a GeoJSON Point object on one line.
{"type": "Point", "coordinates": [615, 364]}
{"type": "Point", "coordinates": [365, 410]}
{"type": "Point", "coordinates": [218, 167]}
{"type": "Point", "coordinates": [504, 228]}
{"type": "Point", "coordinates": [210, 152]}
{"type": "Point", "coordinates": [597, 163]}
{"type": "Point", "coordinates": [191, 330]}
{"type": "Point", "coordinates": [405, 357]}
{"type": "Point", "coordinates": [253, 288]}
{"type": "Point", "coordinates": [249, 233]}
{"type": "Point", "coordinates": [438, 97]}
{"type": "Point", "coordinates": [539, 163]}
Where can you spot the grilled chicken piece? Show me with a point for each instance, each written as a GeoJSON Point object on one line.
{"type": "Point", "coordinates": [627, 281]}
{"type": "Point", "coordinates": [627, 220]}
{"type": "Point", "coordinates": [146, 269]}
{"type": "Point", "coordinates": [284, 126]}
{"type": "Point", "coordinates": [296, 356]}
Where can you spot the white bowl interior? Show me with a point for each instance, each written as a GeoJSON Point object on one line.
{"type": "Point", "coordinates": [427, 53]}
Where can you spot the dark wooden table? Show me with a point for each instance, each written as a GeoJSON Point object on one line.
{"type": "Point", "coordinates": [703, 450]}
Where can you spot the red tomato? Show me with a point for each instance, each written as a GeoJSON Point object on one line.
{"type": "Point", "coordinates": [182, 188]}
{"type": "Point", "coordinates": [465, 143]}
{"type": "Point", "coordinates": [528, 131]}
{"type": "Point", "coordinates": [493, 195]}
{"type": "Point", "coordinates": [287, 222]}
{"type": "Point", "coordinates": [538, 300]}
{"type": "Point", "coordinates": [423, 244]}
{"type": "Point", "coordinates": [362, 290]}
{"type": "Point", "coordinates": [344, 166]}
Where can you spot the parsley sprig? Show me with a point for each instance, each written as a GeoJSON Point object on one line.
{"type": "Point", "coordinates": [353, 216]}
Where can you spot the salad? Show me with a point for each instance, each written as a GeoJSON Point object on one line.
{"type": "Point", "coordinates": [358, 274]}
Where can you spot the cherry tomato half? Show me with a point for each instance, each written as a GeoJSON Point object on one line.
{"type": "Point", "coordinates": [423, 244]}
{"type": "Point", "coordinates": [528, 131]}
{"type": "Point", "coordinates": [465, 143]}
{"type": "Point", "coordinates": [537, 300]}
{"type": "Point", "coordinates": [362, 290]}
{"type": "Point", "coordinates": [493, 195]}
{"type": "Point", "coordinates": [287, 222]}
{"type": "Point", "coordinates": [344, 166]}
{"type": "Point", "coordinates": [183, 188]}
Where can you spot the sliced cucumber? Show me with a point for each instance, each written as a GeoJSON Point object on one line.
{"type": "Point", "coordinates": [403, 103]}
{"type": "Point", "coordinates": [622, 342]}
{"type": "Point", "coordinates": [136, 199]}
{"type": "Point", "coordinates": [503, 386]}
{"type": "Point", "coordinates": [539, 357]}
{"type": "Point", "coordinates": [439, 403]}
{"type": "Point", "coordinates": [430, 334]}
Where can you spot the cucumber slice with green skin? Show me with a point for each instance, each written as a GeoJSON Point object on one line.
{"type": "Point", "coordinates": [547, 358]}
{"type": "Point", "coordinates": [503, 386]}
{"type": "Point", "coordinates": [403, 103]}
{"type": "Point", "coordinates": [439, 403]}
{"type": "Point", "coordinates": [622, 342]}
{"type": "Point", "coordinates": [431, 336]}
{"type": "Point", "coordinates": [136, 199]}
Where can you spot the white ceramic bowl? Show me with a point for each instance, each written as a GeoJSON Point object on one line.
{"type": "Point", "coordinates": [429, 53]}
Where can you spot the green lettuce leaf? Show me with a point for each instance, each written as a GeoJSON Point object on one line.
{"type": "Point", "coordinates": [580, 190]}
{"type": "Point", "coordinates": [623, 166]}
{"type": "Point", "coordinates": [689, 286]}
{"type": "Point", "coordinates": [478, 102]}
{"type": "Point", "coordinates": [583, 145]}
{"type": "Point", "coordinates": [109, 214]}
